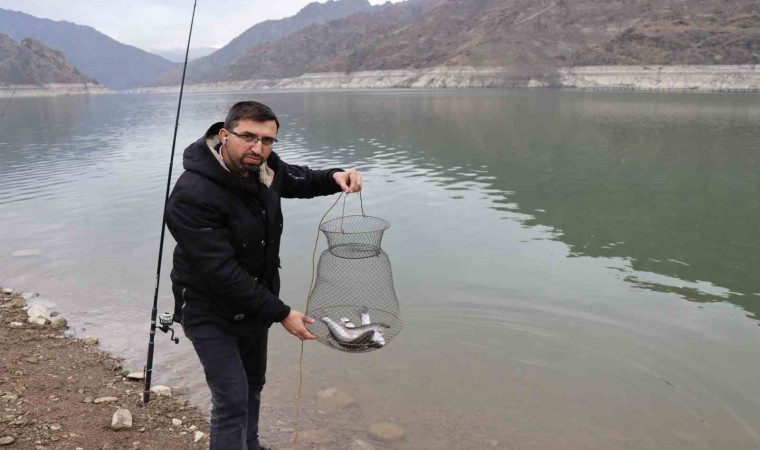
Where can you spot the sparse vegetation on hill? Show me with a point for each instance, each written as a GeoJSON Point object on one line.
{"type": "Point", "coordinates": [30, 62]}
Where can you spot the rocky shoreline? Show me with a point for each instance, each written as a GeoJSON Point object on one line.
{"type": "Point", "coordinates": [57, 392]}
{"type": "Point", "coordinates": [738, 78]}
{"type": "Point", "coordinates": [51, 90]}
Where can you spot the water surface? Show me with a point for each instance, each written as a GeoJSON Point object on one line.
{"type": "Point", "coordinates": [575, 270]}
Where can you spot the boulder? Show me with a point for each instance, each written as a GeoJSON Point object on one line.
{"type": "Point", "coordinates": [333, 399]}
{"type": "Point", "coordinates": [59, 322]}
{"type": "Point", "coordinates": [385, 431]}
{"type": "Point", "coordinates": [179, 390]}
{"type": "Point", "coordinates": [122, 419]}
{"type": "Point", "coordinates": [39, 314]}
{"type": "Point", "coordinates": [162, 390]}
{"type": "Point", "coordinates": [7, 440]}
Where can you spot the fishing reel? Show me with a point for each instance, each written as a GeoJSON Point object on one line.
{"type": "Point", "coordinates": [165, 320]}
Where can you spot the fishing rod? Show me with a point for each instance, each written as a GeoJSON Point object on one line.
{"type": "Point", "coordinates": [8, 104]}
{"type": "Point", "coordinates": [166, 318]}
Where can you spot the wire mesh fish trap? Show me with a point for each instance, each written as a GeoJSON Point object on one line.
{"type": "Point", "coordinates": [353, 300]}
{"type": "Point", "coordinates": [354, 236]}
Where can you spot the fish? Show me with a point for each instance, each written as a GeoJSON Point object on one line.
{"type": "Point", "coordinates": [365, 335]}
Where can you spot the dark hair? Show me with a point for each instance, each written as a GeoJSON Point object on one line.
{"type": "Point", "coordinates": [249, 110]}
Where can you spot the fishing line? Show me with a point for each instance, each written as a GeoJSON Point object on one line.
{"type": "Point", "coordinates": [308, 300]}
{"type": "Point", "coordinates": [154, 312]}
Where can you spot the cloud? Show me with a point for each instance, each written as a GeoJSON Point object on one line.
{"type": "Point", "coordinates": [163, 24]}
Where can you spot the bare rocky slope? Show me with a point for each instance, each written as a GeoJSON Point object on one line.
{"type": "Point", "coordinates": [31, 62]}
{"type": "Point", "coordinates": [214, 66]}
{"type": "Point", "coordinates": [527, 36]}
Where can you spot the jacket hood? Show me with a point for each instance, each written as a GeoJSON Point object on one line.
{"type": "Point", "coordinates": [199, 158]}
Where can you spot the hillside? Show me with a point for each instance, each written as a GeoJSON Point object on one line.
{"type": "Point", "coordinates": [527, 35]}
{"type": "Point", "coordinates": [31, 62]}
{"type": "Point", "coordinates": [703, 39]}
{"type": "Point", "coordinates": [214, 66]}
{"type": "Point", "coordinates": [112, 63]}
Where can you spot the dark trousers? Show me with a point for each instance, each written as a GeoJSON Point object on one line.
{"type": "Point", "coordinates": [235, 368]}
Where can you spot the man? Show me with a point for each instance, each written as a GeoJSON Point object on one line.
{"type": "Point", "coordinates": [224, 213]}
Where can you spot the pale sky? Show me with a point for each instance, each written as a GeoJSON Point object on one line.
{"type": "Point", "coordinates": [164, 24]}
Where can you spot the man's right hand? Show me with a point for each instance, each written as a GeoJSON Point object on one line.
{"type": "Point", "coordinates": [296, 322]}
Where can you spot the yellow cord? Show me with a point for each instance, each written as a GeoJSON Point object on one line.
{"type": "Point", "coordinates": [308, 301]}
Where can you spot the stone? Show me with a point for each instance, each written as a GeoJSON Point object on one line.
{"type": "Point", "coordinates": [7, 291]}
{"type": "Point", "coordinates": [38, 312]}
{"type": "Point", "coordinates": [107, 446]}
{"type": "Point", "coordinates": [31, 359]}
{"type": "Point", "coordinates": [105, 400]}
{"type": "Point", "coordinates": [193, 428]}
{"type": "Point", "coordinates": [37, 321]}
{"type": "Point", "coordinates": [136, 376]}
{"type": "Point", "coordinates": [29, 295]}
{"type": "Point", "coordinates": [7, 440]}
{"type": "Point", "coordinates": [176, 422]}
{"type": "Point", "coordinates": [16, 303]}
{"type": "Point", "coordinates": [198, 435]}
{"type": "Point", "coordinates": [87, 400]}
{"type": "Point", "coordinates": [122, 419]}
{"type": "Point", "coordinates": [59, 323]}
{"type": "Point", "coordinates": [16, 324]}
{"type": "Point", "coordinates": [385, 431]}
{"type": "Point", "coordinates": [91, 340]}
{"type": "Point", "coordinates": [9, 397]}
{"type": "Point", "coordinates": [162, 390]}
{"type": "Point", "coordinates": [317, 437]}
{"type": "Point", "coordinates": [333, 399]}
{"type": "Point", "coordinates": [28, 252]}
{"type": "Point", "coordinates": [180, 390]}
{"type": "Point", "coordinates": [360, 444]}
{"type": "Point", "coordinates": [56, 427]}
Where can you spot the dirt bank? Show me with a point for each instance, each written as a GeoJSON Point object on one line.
{"type": "Point", "coordinates": [61, 393]}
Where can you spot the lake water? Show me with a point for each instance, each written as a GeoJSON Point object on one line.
{"type": "Point", "coordinates": [575, 270]}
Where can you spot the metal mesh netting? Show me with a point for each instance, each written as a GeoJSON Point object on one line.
{"type": "Point", "coordinates": [353, 300]}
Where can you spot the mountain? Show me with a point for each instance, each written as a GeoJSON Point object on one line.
{"type": "Point", "coordinates": [31, 62]}
{"type": "Point", "coordinates": [213, 67]}
{"type": "Point", "coordinates": [701, 39]}
{"type": "Point", "coordinates": [112, 63]}
{"type": "Point", "coordinates": [177, 55]}
{"type": "Point", "coordinates": [528, 35]}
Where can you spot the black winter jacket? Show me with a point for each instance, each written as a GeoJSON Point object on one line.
{"type": "Point", "coordinates": [228, 228]}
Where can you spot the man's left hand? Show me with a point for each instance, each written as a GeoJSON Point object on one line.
{"type": "Point", "coordinates": [349, 181]}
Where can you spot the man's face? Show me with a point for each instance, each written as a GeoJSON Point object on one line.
{"type": "Point", "coordinates": [240, 154]}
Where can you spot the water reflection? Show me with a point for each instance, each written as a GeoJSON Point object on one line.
{"type": "Point", "coordinates": [664, 182]}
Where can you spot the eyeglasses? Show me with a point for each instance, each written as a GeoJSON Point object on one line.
{"type": "Point", "coordinates": [249, 138]}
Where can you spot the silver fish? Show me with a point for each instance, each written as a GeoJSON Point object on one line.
{"type": "Point", "coordinates": [364, 335]}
